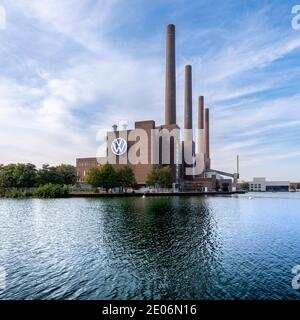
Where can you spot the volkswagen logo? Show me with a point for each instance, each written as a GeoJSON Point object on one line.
{"type": "Point", "coordinates": [119, 146]}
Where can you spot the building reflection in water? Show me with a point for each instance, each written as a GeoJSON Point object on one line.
{"type": "Point", "coordinates": [168, 247]}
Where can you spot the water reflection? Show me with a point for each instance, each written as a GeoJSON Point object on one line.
{"type": "Point", "coordinates": [167, 246]}
{"type": "Point", "coordinates": [153, 248]}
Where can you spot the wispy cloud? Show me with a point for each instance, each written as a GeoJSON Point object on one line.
{"type": "Point", "coordinates": [70, 69]}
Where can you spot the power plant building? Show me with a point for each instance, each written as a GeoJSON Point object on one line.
{"type": "Point", "coordinates": [122, 143]}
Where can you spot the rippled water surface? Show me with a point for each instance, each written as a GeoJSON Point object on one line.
{"type": "Point", "coordinates": [153, 248]}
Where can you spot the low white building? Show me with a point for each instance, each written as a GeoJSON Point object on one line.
{"type": "Point", "coordinates": [261, 184]}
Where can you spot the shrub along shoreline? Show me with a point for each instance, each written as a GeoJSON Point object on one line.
{"type": "Point", "coordinates": [21, 181]}
{"type": "Point", "coordinates": [47, 191]}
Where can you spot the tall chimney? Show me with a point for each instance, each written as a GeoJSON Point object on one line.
{"type": "Point", "coordinates": [200, 139]}
{"type": "Point", "coordinates": [170, 94]}
{"type": "Point", "coordinates": [188, 104]}
{"type": "Point", "coordinates": [206, 138]}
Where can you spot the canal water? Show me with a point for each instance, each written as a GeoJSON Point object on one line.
{"type": "Point", "coordinates": [155, 248]}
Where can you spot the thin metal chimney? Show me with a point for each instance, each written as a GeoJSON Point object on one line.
{"type": "Point", "coordinates": [170, 93]}
{"type": "Point", "coordinates": [188, 105]}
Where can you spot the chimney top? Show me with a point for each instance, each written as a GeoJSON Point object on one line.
{"type": "Point", "coordinates": [171, 28]}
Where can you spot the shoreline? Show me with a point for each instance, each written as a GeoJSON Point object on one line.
{"type": "Point", "coordinates": [130, 195]}
{"type": "Point", "coordinates": [151, 195]}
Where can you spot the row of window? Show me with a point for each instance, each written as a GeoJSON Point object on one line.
{"type": "Point", "coordinates": [255, 186]}
{"type": "Point", "coordinates": [86, 164]}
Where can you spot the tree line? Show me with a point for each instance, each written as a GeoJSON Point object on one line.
{"type": "Point", "coordinates": [108, 178]}
{"type": "Point", "coordinates": [16, 179]}
{"type": "Point", "coordinates": [28, 176]}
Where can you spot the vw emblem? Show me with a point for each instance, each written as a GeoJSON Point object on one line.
{"type": "Point", "coordinates": [119, 146]}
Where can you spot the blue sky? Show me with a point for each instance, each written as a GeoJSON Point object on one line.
{"type": "Point", "coordinates": [70, 68]}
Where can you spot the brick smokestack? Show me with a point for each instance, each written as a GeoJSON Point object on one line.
{"type": "Point", "coordinates": [188, 104]}
{"type": "Point", "coordinates": [170, 93]}
{"type": "Point", "coordinates": [200, 139]}
{"type": "Point", "coordinates": [206, 139]}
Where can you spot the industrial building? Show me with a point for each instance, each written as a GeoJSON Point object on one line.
{"type": "Point", "coordinates": [120, 145]}
{"type": "Point", "coordinates": [261, 184]}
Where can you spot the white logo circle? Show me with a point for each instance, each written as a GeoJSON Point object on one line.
{"type": "Point", "coordinates": [119, 146]}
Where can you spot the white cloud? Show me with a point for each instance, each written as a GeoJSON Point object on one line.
{"type": "Point", "coordinates": [54, 117]}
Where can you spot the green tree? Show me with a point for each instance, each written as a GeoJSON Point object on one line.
{"type": "Point", "coordinates": [7, 177]}
{"type": "Point", "coordinates": [48, 174]}
{"type": "Point", "coordinates": [2, 181]}
{"type": "Point", "coordinates": [126, 178]}
{"type": "Point", "coordinates": [153, 177]}
{"type": "Point", "coordinates": [244, 185]}
{"type": "Point", "coordinates": [161, 177]}
{"type": "Point", "coordinates": [67, 174]}
{"type": "Point", "coordinates": [25, 175]}
{"type": "Point", "coordinates": [108, 177]}
{"type": "Point", "coordinates": [14, 177]}
{"type": "Point", "coordinates": [93, 177]}
{"type": "Point", "coordinates": [166, 177]}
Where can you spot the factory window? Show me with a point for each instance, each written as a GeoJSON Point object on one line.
{"type": "Point", "coordinates": [256, 186]}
